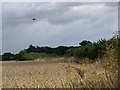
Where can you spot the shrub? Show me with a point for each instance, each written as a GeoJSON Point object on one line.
{"type": "Point", "coordinates": [23, 55]}
{"type": "Point", "coordinates": [110, 58]}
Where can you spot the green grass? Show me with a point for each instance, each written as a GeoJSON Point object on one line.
{"type": "Point", "coordinates": [33, 55]}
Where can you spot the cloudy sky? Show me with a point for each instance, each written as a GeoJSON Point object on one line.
{"type": "Point", "coordinates": [56, 23]}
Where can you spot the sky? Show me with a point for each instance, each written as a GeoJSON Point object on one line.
{"type": "Point", "coordinates": [56, 24]}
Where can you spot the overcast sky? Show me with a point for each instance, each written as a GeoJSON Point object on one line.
{"type": "Point", "coordinates": [56, 23]}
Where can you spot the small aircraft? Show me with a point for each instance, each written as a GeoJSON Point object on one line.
{"type": "Point", "coordinates": [34, 19]}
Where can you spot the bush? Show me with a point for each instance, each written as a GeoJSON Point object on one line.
{"type": "Point", "coordinates": [91, 50]}
{"type": "Point", "coordinates": [41, 55]}
{"type": "Point", "coordinates": [110, 58]}
{"type": "Point", "coordinates": [23, 55]}
{"type": "Point", "coordinates": [8, 56]}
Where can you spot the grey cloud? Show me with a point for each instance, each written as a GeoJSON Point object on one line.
{"type": "Point", "coordinates": [23, 13]}
{"type": "Point", "coordinates": [56, 24]}
{"type": "Point", "coordinates": [113, 4]}
{"type": "Point", "coordinates": [72, 15]}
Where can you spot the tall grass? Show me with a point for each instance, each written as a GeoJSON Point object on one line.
{"type": "Point", "coordinates": [103, 73]}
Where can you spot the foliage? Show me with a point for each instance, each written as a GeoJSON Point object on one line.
{"type": "Point", "coordinates": [84, 43]}
{"type": "Point", "coordinates": [48, 50]}
{"type": "Point", "coordinates": [41, 55]}
{"type": "Point", "coordinates": [23, 55]}
{"type": "Point", "coordinates": [110, 58]}
{"type": "Point", "coordinates": [87, 49]}
{"type": "Point", "coordinates": [8, 56]}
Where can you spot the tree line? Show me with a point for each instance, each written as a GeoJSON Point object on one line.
{"type": "Point", "coordinates": [86, 49]}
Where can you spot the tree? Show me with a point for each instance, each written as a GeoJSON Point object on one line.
{"type": "Point", "coordinates": [23, 55]}
{"type": "Point", "coordinates": [85, 42]}
{"type": "Point", "coordinates": [8, 56]}
{"type": "Point", "coordinates": [31, 49]}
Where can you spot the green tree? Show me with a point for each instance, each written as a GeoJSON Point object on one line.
{"type": "Point", "coordinates": [23, 55]}
{"type": "Point", "coordinates": [85, 42]}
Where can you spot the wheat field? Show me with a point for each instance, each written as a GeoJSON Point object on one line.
{"type": "Point", "coordinates": [55, 74]}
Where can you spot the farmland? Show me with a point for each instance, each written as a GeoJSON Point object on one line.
{"type": "Point", "coordinates": [59, 45]}
{"type": "Point", "coordinates": [55, 73]}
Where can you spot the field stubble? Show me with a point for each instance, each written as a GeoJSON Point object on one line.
{"type": "Point", "coordinates": [53, 74]}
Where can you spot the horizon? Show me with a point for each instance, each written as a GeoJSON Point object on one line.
{"type": "Point", "coordinates": [51, 46]}
{"type": "Point", "coordinates": [56, 24]}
